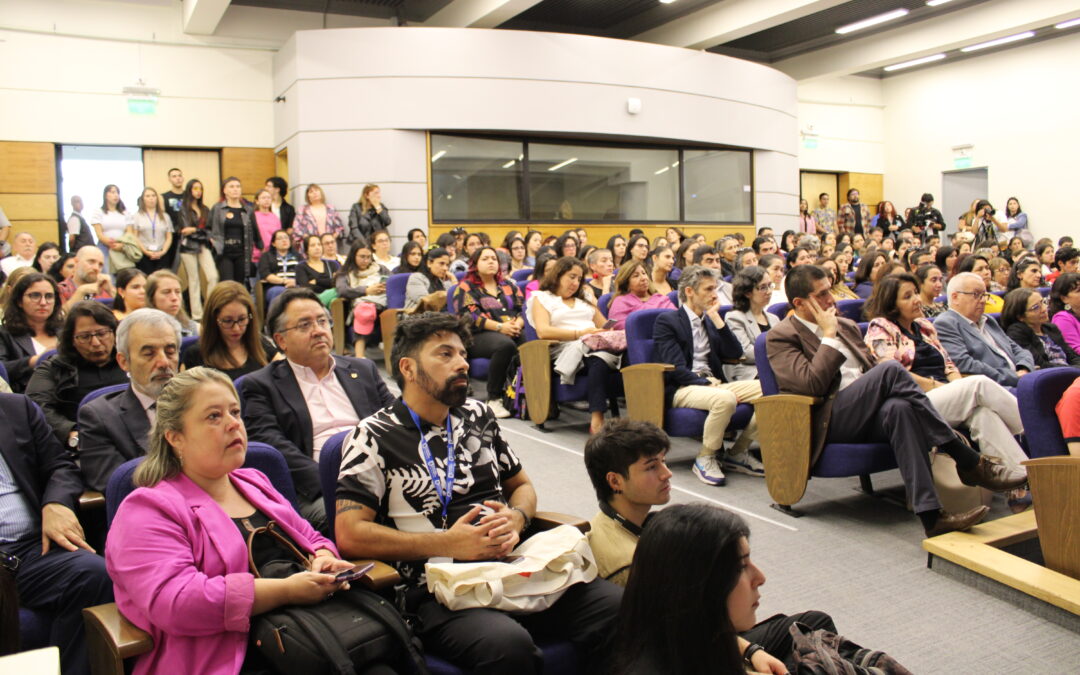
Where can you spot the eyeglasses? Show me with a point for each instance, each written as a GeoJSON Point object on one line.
{"type": "Point", "coordinates": [1042, 304]}
{"type": "Point", "coordinates": [975, 295]}
{"type": "Point", "coordinates": [38, 297]}
{"type": "Point", "coordinates": [228, 324]}
{"type": "Point", "coordinates": [307, 325]}
{"type": "Point", "coordinates": [763, 287]}
{"type": "Point", "coordinates": [87, 338]}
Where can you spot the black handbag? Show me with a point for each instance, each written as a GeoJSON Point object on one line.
{"type": "Point", "coordinates": [343, 635]}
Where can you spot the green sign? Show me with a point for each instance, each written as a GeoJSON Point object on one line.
{"type": "Point", "coordinates": [810, 142]}
{"type": "Point", "coordinates": [961, 162]}
{"type": "Point", "coordinates": [142, 106]}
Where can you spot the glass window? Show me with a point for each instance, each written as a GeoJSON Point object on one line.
{"type": "Point", "coordinates": [717, 186]}
{"type": "Point", "coordinates": [578, 182]}
{"type": "Point", "coordinates": [476, 178]}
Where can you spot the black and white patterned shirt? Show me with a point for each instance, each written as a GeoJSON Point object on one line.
{"type": "Point", "coordinates": [383, 468]}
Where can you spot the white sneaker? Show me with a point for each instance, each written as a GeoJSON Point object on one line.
{"type": "Point", "coordinates": [744, 462]}
{"type": "Point", "coordinates": [499, 409]}
{"type": "Point", "coordinates": [708, 471]}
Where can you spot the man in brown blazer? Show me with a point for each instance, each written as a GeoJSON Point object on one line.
{"type": "Point", "coordinates": [816, 353]}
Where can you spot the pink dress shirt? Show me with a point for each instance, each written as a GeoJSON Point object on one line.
{"type": "Point", "coordinates": [179, 567]}
{"type": "Point", "coordinates": [329, 406]}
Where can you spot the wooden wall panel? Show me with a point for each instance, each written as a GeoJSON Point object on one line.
{"type": "Point", "coordinates": [202, 164]}
{"type": "Point", "coordinates": [29, 207]}
{"type": "Point", "coordinates": [871, 187]}
{"type": "Point", "coordinates": [812, 184]}
{"type": "Point", "coordinates": [251, 165]}
{"type": "Point", "coordinates": [27, 168]}
{"type": "Point", "coordinates": [43, 230]}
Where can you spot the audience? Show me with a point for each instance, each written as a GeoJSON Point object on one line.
{"type": "Point", "coordinates": [147, 349]}
{"type": "Point", "coordinates": [696, 341]}
{"type": "Point", "coordinates": [637, 247]}
{"type": "Point", "coordinates": [380, 249]}
{"type": "Point", "coordinates": [297, 403]}
{"type": "Point", "coordinates": [22, 253]}
{"type": "Point", "coordinates": [430, 519]}
{"type": "Point", "coordinates": [816, 353]}
{"type": "Point", "coordinates": [634, 290]}
{"type": "Point", "coordinates": [978, 264]}
{"type": "Point", "coordinates": [1068, 413]}
{"type": "Point", "coordinates": [85, 360]}
{"type": "Point", "coordinates": [230, 338]}
{"type": "Point", "coordinates": [32, 322]}
{"type": "Point", "coordinates": [362, 283]}
{"type": "Point", "coordinates": [1066, 261]}
{"type": "Point", "coordinates": [492, 304]}
{"type": "Point", "coordinates": [931, 285]}
{"type": "Point", "coordinates": [163, 292]}
{"type": "Point", "coordinates": [412, 254]}
{"type": "Point", "coordinates": [316, 272]}
{"type": "Point", "coordinates": [1028, 324]}
{"type": "Point", "coordinates": [277, 265]}
{"type": "Point", "coordinates": [89, 282]}
{"type": "Point", "coordinates": [1065, 308]}
{"type": "Point", "coordinates": [976, 343]}
{"type": "Point", "coordinates": [871, 268]}
{"type": "Point", "coordinates": [749, 319]}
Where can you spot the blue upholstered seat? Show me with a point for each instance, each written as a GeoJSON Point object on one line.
{"type": "Point", "coordinates": [851, 309]}
{"type": "Point", "coordinates": [1038, 394]}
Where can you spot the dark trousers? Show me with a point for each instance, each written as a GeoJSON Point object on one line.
{"type": "Point", "coordinates": [62, 583]}
{"type": "Point", "coordinates": [886, 406]}
{"type": "Point", "coordinates": [489, 344]}
{"type": "Point", "coordinates": [774, 633]}
{"type": "Point", "coordinates": [149, 266]}
{"type": "Point", "coordinates": [489, 641]}
{"type": "Point", "coordinates": [232, 268]}
{"type": "Point", "coordinates": [603, 385]}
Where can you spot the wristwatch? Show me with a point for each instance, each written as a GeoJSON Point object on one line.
{"type": "Point", "coordinates": [751, 649]}
{"type": "Point", "coordinates": [73, 441]}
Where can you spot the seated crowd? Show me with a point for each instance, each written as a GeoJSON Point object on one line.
{"type": "Point", "coordinates": [149, 342]}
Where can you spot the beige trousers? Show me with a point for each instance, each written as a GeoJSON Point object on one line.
{"type": "Point", "coordinates": [193, 262]}
{"type": "Point", "coordinates": [720, 399]}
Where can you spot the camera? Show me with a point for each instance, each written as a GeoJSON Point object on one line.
{"type": "Point", "coordinates": [989, 210]}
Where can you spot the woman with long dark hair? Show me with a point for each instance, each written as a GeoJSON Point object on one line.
{"type": "Point", "coordinates": [110, 222]}
{"type": "Point", "coordinates": [63, 269]}
{"type": "Point", "coordinates": [362, 282]}
{"type": "Point", "coordinates": [230, 338]}
{"type": "Point", "coordinates": [130, 292]}
{"type": "Point", "coordinates": [46, 256]}
{"type": "Point", "coordinates": [533, 241]}
{"type": "Point", "coordinates": [1026, 273]}
{"type": "Point", "coordinates": [427, 288]}
{"type": "Point", "coordinates": [931, 284]}
{"type": "Point", "coordinates": [1065, 308]}
{"type": "Point", "coordinates": [637, 247]}
{"type": "Point", "coordinates": [196, 253]}
{"type": "Point", "coordinates": [281, 208]}
{"type": "Point", "coordinates": [661, 262]}
{"type": "Point", "coordinates": [1026, 320]}
{"type": "Point", "coordinates": [412, 254]}
{"type": "Point", "coordinates": [315, 272]}
{"type": "Point", "coordinates": [32, 321]}
{"type": "Point", "coordinates": [567, 245]}
{"type": "Point", "coordinates": [870, 269]}
{"type": "Point", "coordinates": [617, 246]}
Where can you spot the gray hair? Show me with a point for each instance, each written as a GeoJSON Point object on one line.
{"type": "Point", "coordinates": [147, 317]}
{"type": "Point", "coordinates": [810, 240]}
{"type": "Point", "coordinates": [957, 281]}
{"type": "Point", "coordinates": [692, 277]}
{"type": "Point", "coordinates": [176, 398]}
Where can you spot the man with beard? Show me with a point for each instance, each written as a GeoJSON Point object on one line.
{"type": "Point", "coordinates": [436, 466]}
{"type": "Point", "coordinates": [116, 427]}
{"type": "Point", "coordinates": [297, 404]}
{"type": "Point", "coordinates": [853, 217]}
{"type": "Point", "coordinates": [88, 282]}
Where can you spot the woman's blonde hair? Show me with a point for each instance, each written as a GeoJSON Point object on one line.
{"type": "Point", "coordinates": [152, 283]}
{"type": "Point", "coordinates": [364, 203]}
{"type": "Point", "coordinates": [176, 398]}
{"type": "Point", "coordinates": [310, 187]}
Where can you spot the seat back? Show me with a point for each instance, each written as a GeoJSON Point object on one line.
{"type": "Point", "coordinates": [108, 302]}
{"type": "Point", "coordinates": [395, 290]}
{"type": "Point", "coordinates": [780, 310]}
{"type": "Point", "coordinates": [674, 297]}
{"type": "Point", "coordinates": [603, 302]}
{"type": "Point", "coordinates": [101, 392]}
{"type": "Point", "coordinates": [4, 373]}
{"type": "Point", "coordinates": [529, 332]}
{"type": "Point", "coordinates": [329, 466]}
{"type": "Point", "coordinates": [521, 276]}
{"type": "Point", "coordinates": [451, 306]}
{"type": "Point", "coordinates": [851, 309]}
{"type": "Point", "coordinates": [185, 344]}
{"type": "Point", "coordinates": [239, 384]}
{"type": "Point", "coordinates": [765, 372]}
{"type": "Point", "coordinates": [1038, 394]}
{"type": "Point", "coordinates": [639, 335]}
{"type": "Point", "coordinates": [46, 355]}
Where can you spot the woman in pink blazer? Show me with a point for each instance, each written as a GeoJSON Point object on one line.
{"type": "Point", "coordinates": [176, 552]}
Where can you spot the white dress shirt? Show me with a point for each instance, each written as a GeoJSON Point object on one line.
{"type": "Point", "coordinates": [851, 369]}
{"type": "Point", "coordinates": [329, 406]}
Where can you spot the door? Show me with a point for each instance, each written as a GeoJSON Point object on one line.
{"type": "Point", "coordinates": [814, 183]}
{"type": "Point", "coordinates": [201, 164]}
{"type": "Point", "coordinates": [959, 189]}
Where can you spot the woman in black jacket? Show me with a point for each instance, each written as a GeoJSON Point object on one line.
{"type": "Point", "coordinates": [315, 272]}
{"type": "Point", "coordinates": [1027, 322]}
{"type": "Point", "coordinates": [32, 320]}
{"type": "Point", "coordinates": [279, 189]}
{"type": "Point", "coordinates": [368, 215]}
{"type": "Point", "coordinates": [85, 361]}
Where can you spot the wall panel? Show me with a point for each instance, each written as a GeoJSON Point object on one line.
{"type": "Point", "coordinates": [251, 165]}
{"type": "Point", "coordinates": [28, 188]}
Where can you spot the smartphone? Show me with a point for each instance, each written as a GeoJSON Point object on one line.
{"type": "Point", "coordinates": [610, 324]}
{"type": "Point", "coordinates": [354, 573]}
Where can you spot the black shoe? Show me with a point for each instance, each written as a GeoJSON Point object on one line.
{"type": "Point", "coordinates": [995, 477]}
{"type": "Point", "coordinates": [955, 522]}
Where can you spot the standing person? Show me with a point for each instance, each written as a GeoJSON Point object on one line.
{"type": "Point", "coordinates": [173, 200]}
{"type": "Point", "coordinates": [888, 220]}
{"type": "Point", "coordinates": [825, 217]}
{"type": "Point", "coordinates": [281, 208]}
{"type": "Point", "coordinates": [807, 222]}
{"type": "Point", "coordinates": [265, 220]}
{"type": "Point", "coordinates": [492, 304]}
{"type": "Point", "coordinates": [316, 217]}
{"type": "Point", "coordinates": [32, 322]}
{"type": "Point", "coordinates": [22, 253]}
{"type": "Point", "coordinates": [196, 252]}
{"type": "Point", "coordinates": [152, 228]}
{"type": "Point", "coordinates": [368, 214]}
{"type": "Point", "coordinates": [853, 217]}
{"type": "Point", "coordinates": [383, 464]}
{"type": "Point", "coordinates": [163, 292]}
{"type": "Point", "coordinates": [986, 226]}
{"type": "Point", "coordinates": [233, 232]}
{"type": "Point", "coordinates": [79, 231]}
{"type": "Point", "coordinates": [925, 219]}
{"type": "Point", "coordinates": [110, 222]}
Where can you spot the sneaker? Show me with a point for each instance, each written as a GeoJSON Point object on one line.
{"type": "Point", "coordinates": [499, 409]}
{"type": "Point", "coordinates": [708, 471]}
{"type": "Point", "coordinates": [743, 462]}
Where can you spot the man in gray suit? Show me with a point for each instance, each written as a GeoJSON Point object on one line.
{"type": "Point", "coordinates": [116, 427]}
{"type": "Point", "coordinates": [975, 342]}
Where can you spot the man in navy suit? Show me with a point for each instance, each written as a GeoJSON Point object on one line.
{"type": "Point", "coordinates": [697, 342]}
{"type": "Point", "coordinates": [296, 404]}
{"type": "Point", "coordinates": [41, 540]}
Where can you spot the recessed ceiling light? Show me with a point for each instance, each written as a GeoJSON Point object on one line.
{"type": "Point", "coordinates": [437, 156]}
{"type": "Point", "coordinates": [914, 62]}
{"type": "Point", "coordinates": [935, 3]}
{"type": "Point", "coordinates": [872, 21]}
{"type": "Point", "coordinates": [509, 164]}
{"type": "Point", "coordinates": [666, 2]}
{"type": "Point", "coordinates": [662, 170]}
{"type": "Point", "coordinates": [562, 164]}
{"type": "Point", "coordinates": [1067, 24]}
{"type": "Point", "coordinates": [1000, 41]}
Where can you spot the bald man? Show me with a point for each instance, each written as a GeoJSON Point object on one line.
{"type": "Point", "coordinates": [22, 253]}
{"type": "Point", "coordinates": [88, 282]}
{"type": "Point", "coordinates": [79, 231]}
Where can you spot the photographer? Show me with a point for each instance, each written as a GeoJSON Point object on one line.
{"type": "Point", "coordinates": [925, 217]}
{"type": "Point", "coordinates": [986, 226]}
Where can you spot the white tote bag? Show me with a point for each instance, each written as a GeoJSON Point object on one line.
{"type": "Point", "coordinates": [538, 572]}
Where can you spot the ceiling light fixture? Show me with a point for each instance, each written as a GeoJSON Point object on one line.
{"type": "Point", "coordinates": [914, 62]}
{"type": "Point", "coordinates": [1000, 41]}
{"type": "Point", "coordinates": [562, 164]}
{"type": "Point", "coordinates": [509, 164]}
{"type": "Point", "coordinates": [872, 21]}
{"type": "Point", "coordinates": [935, 3]}
{"type": "Point", "coordinates": [437, 156]}
{"type": "Point", "coordinates": [1067, 24]}
{"type": "Point", "coordinates": [663, 170]}
{"type": "Point", "coordinates": [666, 2]}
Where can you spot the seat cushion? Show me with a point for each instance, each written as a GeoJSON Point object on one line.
{"type": "Point", "coordinates": [853, 459]}
{"type": "Point", "coordinates": [479, 368]}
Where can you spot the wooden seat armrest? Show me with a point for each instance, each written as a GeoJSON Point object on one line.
{"type": "Point", "coordinates": [536, 374]}
{"type": "Point", "coordinates": [785, 433]}
{"type": "Point", "coordinates": [111, 638]}
{"type": "Point", "coordinates": [540, 350]}
{"type": "Point", "coordinates": [788, 399]}
{"type": "Point", "coordinates": [548, 520]}
{"type": "Point", "coordinates": [380, 577]}
{"type": "Point", "coordinates": [388, 322]}
{"type": "Point", "coordinates": [644, 386]}
{"type": "Point", "coordinates": [337, 313]}
{"type": "Point", "coordinates": [91, 499]}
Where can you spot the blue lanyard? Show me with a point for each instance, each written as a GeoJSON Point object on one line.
{"type": "Point", "coordinates": [445, 491]}
{"type": "Point", "coordinates": [153, 229]}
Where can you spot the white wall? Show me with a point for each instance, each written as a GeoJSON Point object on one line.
{"type": "Point", "coordinates": [1019, 109]}
{"type": "Point", "coordinates": [358, 101]}
{"type": "Point", "coordinates": [63, 64]}
{"type": "Point", "coordinates": [848, 114]}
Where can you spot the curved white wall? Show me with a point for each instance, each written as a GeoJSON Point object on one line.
{"type": "Point", "coordinates": [358, 101]}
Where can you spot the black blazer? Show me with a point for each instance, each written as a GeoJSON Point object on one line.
{"type": "Point", "coordinates": [104, 444]}
{"type": "Point", "coordinates": [15, 353]}
{"type": "Point", "coordinates": [276, 413]}
{"type": "Point", "coordinates": [673, 342]}
{"type": "Point", "coordinates": [41, 467]}
{"type": "Point", "coordinates": [1022, 335]}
